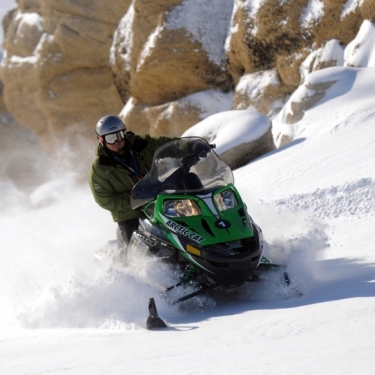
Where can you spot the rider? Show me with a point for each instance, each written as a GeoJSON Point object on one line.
{"type": "Point", "coordinates": [122, 159]}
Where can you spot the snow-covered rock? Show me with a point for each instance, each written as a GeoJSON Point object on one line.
{"type": "Point", "coordinates": [239, 136]}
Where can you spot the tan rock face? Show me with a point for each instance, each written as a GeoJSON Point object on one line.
{"type": "Point", "coordinates": [164, 59]}
{"type": "Point", "coordinates": [56, 71]}
{"type": "Point", "coordinates": [341, 22]}
{"type": "Point", "coordinates": [23, 164]}
{"type": "Point", "coordinates": [68, 63]}
{"type": "Point", "coordinates": [288, 67]}
{"type": "Point", "coordinates": [159, 59]}
{"type": "Point", "coordinates": [262, 33]}
{"type": "Point", "coordinates": [173, 118]}
{"type": "Point", "coordinates": [281, 34]}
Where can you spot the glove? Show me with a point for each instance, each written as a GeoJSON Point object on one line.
{"type": "Point", "coordinates": [201, 149]}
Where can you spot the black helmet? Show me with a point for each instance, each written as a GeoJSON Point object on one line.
{"type": "Point", "coordinates": [109, 124]}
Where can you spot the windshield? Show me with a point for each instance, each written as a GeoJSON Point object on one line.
{"type": "Point", "coordinates": [183, 166]}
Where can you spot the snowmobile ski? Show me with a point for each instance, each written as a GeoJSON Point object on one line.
{"type": "Point", "coordinates": [154, 321]}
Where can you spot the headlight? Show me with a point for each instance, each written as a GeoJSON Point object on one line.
{"type": "Point", "coordinates": [225, 200]}
{"type": "Point", "coordinates": [181, 207]}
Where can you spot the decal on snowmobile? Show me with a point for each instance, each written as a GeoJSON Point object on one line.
{"type": "Point", "coordinates": [208, 200]}
{"type": "Point", "coordinates": [184, 231]}
{"type": "Point", "coordinates": [222, 224]}
{"type": "Point", "coordinates": [177, 242]}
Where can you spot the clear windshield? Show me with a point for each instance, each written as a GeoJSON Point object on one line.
{"type": "Point", "coordinates": [176, 169]}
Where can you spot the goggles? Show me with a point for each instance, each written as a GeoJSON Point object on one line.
{"type": "Point", "coordinates": [114, 137]}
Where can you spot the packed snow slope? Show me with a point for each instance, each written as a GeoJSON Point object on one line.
{"type": "Point", "coordinates": [315, 200]}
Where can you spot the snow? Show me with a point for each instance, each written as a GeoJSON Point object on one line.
{"type": "Point", "coordinates": [31, 19]}
{"type": "Point", "coordinates": [230, 128]}
{"type": "Point", "coordinates": [331, 53]}
{"type": "Point", "coordinates": [149, 46]}
{"type": "Point", "coordinates": [62, 312]}
{"type": "Point", "coordinates": [360, 51]}
{"type": "Point", "coordinates": [209, 102]}
{"type": "Point", "coordinates": [314, 199]}
{"type": "Point", "coordinates": [252, 6]}
{"type": "Point", "coordinates": [252, 85]}
{"type": "Point", "coordinates": [314, 11]}
{"type": "Point", "coordinates": [125, 35]}
{"type": "Point", "coordinates": [350, 7]}
{"type": "Point", "coordinates": [204, 21]}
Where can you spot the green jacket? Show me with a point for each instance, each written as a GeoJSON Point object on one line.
{"type": "Point", "coordinates": [111, 183]}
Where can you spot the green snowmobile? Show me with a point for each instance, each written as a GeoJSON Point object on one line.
{"type": "Point", "coordinates": [193, 215]}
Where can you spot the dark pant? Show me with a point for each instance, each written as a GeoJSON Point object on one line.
{"type": "Point", "coordinates": [125, 230]}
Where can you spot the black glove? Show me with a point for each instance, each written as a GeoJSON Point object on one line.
{"type": "Point", "coordinates": [201, 149]}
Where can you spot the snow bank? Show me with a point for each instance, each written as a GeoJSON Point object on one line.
{"type": "Point", "coordinates": [231, 128]}
{"type": "Point", "coordinates": [360, 52]}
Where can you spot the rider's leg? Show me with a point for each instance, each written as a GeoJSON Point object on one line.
{"type": "Point", "coordinates": [124, 232]}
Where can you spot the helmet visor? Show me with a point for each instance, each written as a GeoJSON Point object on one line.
{"type": "Point", "coordinates": [114, 137]}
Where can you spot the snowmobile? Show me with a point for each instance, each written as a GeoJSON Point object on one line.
{"type": "Point", "coordinates": [193, 216]}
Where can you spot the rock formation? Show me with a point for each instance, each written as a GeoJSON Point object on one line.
{"type": "Point", "coordinates": [23, 162]}
{"type": "Point", "coordinates": [55, 69]}
{"type": "Point", "coordinates": [67, 63]}
{"type": "Point", "coordinates": [359, 53]}
{"type": "Point", "coordinates": [165, 51]}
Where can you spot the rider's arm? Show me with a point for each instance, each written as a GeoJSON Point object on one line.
{"type": "Point", "coordinates": [115, 199]}
{"type": "Point", "coordinates": [186, 146]}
